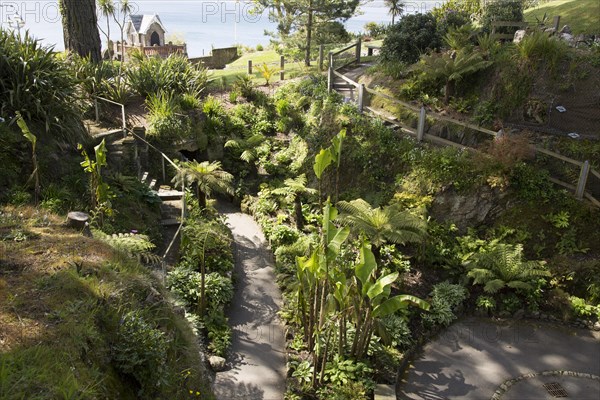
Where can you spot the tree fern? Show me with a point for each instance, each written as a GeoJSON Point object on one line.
{"type": "Point", "coordinates": [503, 267]}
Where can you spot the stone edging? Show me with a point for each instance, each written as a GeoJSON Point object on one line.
{"type": "Point", "coordinates": [504, 387]}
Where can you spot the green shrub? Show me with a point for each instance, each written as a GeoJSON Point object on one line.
{"type": "Point", "coordinates": [141, 352]}
{"type": "Point", "coordinates": [445, 298]}
{"type": "Point", "coordinates": [453, 19]}
{"type": "Point", "coordinates": [283, 235]}
{"type": "Point", "coordinates": [259, 47]}
{"type": "Point", "coordinates": [502, 10]}
{"type": "Point", "coordinates": [397, 330]}
{"type": "Point", "coordinates": [376, 30]}
{"type": "Point", "coordinates": [583, 310]}
{"type": "Point", "coordinates": [219, 333]}
{"type": "Point", "coordinates": [413, 35]}
{"type": "Point", "coordinates": [185, 283]}
{"type": "Point", "coordinates": [532, 183]}
{"type": "Point", "coordinates": [538, 46]}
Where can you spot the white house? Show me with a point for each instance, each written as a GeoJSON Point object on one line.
{"type": "Point", "coordinates": [145, 30]}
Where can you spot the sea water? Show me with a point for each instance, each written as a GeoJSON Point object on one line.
{"type": "Point", "coordinates": [202, 24]}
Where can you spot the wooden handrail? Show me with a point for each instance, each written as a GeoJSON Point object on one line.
{"type": "Point", "coordinates": [345, 78]}
{"type": "Point", "coordinates": [559, 156]}
{"type": "Point", "coordinates": [335, 53]}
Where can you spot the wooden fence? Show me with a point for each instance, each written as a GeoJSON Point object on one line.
{"type": "Point", "coordinates": [587, 183]}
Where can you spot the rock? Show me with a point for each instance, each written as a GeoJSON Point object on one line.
{"type": "Point", "coordinates": [597, 326]}
{"type": "Point", "coordinates": [519, 36]}
{"type": "Point", "coordinates": [154, 296]}
{"type": "Point", "coordinates": [519, 314]}
{"type": "Point", "coordinates": [567, 37]}
{"type": "Point", "coordinates": [470, 208]}
{"type": "Point", "coordinates": [566, 29]}
{"type": "Point", "coordinates": [217, 363]}
{"type": "Point", "coordinates": [550, 31]}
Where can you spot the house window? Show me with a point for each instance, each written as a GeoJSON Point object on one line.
{"type": "Point", "coordinates": [154, 39]}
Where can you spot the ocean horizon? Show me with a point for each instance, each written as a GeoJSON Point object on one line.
{"type": "Point", "coordinates": [202, 24]}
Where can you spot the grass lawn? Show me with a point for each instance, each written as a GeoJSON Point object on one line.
{"type": "Point", "coordinates": [225, 77]}
{"type": "Point", "coordinates": [583, 16]}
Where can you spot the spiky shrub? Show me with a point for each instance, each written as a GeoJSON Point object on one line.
{"type": "Point", "coordinates": [163, 119]}
{"type": "Point", "coordinates": [36, 83]}
{"type": "Point", "coordinates": [175, 74]}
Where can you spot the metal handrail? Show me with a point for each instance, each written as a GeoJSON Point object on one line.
{"type": "Point", "coordinates": [96, 98]}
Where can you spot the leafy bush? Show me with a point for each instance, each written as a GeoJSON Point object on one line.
{"type": "Point", "coordinates": [185, 283]}
{"type": "Point", "coordinates": [340, 372]}
{"type": "Point", "coordinates": [413, 35]}
{"type": "Point", "coordinates": [532, 183]}
{"type": "Point", "coordinates": [36, 83]}
{"type": "Point", "coordinates": [219, 333]}
{"type": "Point", "coordinates": [445, 298]}
{"type": "Point", "coordinates": [397, 330]}
{"type": "Point", "coordinates": [584, 310]}
{"type": "Point", "coordinates": [376, 30]}
{"type": "Point", "coordinates": [502, 10]}
{"type": "Point", "coordinates": [283, 235]}
{"type": "Point", "coordinates": [140, 351]}
{"type": "Point", "coordinates": [453, 19]}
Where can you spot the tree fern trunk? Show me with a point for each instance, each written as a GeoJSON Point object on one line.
{"type": "Point", "coordinates": [80, 28]}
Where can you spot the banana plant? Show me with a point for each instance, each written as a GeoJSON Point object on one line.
{"type": "Point", "coordinates": [35, 175]}
{"type": "Point", "coordinates": [373, 300]}
{"type": "Point", "coordinates": [100, 190]}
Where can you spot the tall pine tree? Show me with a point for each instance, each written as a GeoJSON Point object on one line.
{"type": "Point", "coordinates": [80, 29]}
{"type": "Point", "coordinates": [300, 21]}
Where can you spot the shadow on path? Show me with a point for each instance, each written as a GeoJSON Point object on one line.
{"type": "Point", "coordinates": [257, 354]}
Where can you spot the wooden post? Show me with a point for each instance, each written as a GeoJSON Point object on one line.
{"type": "Point", "coordinates": [583, 176]}
{"type": "Point", "coordinates": [421, 126]}
{"type": "Point", "coordinates": [164, 170]}
{"type": "Point", "coordinates": [249, 67]}
{"type": "Point", "coordinates": [321, 56]}
{"type": "Point", "coordinates": [183, 203]}
{"type": "Point", "coordinates": [361, 97]}
{"type": "Point", "coordinates": [330, 73]}
{"type": "Point", "coordinates": [358, 49]}
{"type": "Point", "coordinates": [556, 23]}
{"type": "Point", "coordinates": [97, 110]}
{"type": "Point", "coordinates": [282, 68]}
{"type": "Point", "coordinates": [124, 121]}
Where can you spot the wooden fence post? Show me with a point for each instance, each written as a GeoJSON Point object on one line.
{"type": "Point", "coordinates": [282, 68]}
{"type": "Point", "coordinates": [330, 73]}
{"type": "Point", "coordinates": [249, 67]}
{"type": "Point", "coordinates": [164, 170]}
{"type": "Point", "coordinates": [321, 56]}
{"type": "Point", "coordinates": [556, 23]}
{"type": "Point", "coordinates": [361, 97]}
{"type": "Point", "coordinates": [421, 126]}
{"type": "Point", "coordinates": [583, 176]}
{"type": "Point", "coordinates": [358, 50]}
{"type": "Point", "coordinates": [97, 110]}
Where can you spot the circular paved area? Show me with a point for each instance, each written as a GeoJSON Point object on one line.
{"type": "Point", "coordinates": [473, 357]}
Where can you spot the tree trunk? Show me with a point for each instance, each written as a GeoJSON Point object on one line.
{"type": "Point", "coordinates": [298, 212]}
{"type": "Point", "coordinates": [80, 28]}
{"type": "Point", "coordinates": [309, 27]}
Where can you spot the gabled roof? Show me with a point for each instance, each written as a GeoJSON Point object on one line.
{"type": "Point", "coordinates": [141, 23]}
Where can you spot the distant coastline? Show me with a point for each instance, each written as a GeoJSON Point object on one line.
{"type": "Point", "coordinates": [202, 24]}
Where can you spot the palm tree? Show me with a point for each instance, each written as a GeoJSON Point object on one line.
{"type": "Point", "coordinates": [382, 225]}
{"type": "Point", "coordinates": [294, 190]}
{"type": "Point", "coordinates": [125, 10]}
{"type": "Point", "coordinates": [503, 267]}
{"type": "Point", "coordinates": [208, 177]}
{"type": "Point", "coordinates": [199, 238]}
{"type": "Point", "coordinates": [395, 8]}
{"type": "Point", "coordinates": [107, 9]}
{"type": "Point", "coordinates": [451, 67]}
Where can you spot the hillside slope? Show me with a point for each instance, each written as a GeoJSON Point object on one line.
{"type": "Point", "coordinates": [583, 16]}
{"type": "Point", "coordinates": [79, 319]}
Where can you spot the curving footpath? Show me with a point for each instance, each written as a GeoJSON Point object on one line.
{"type": "Point", "coordinates": [257, 355]}
{"type": "Point", "coordinates": [511, 360]}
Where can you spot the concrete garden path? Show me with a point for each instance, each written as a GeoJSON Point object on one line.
{"type": "Point", "coordinates": [472, 358]}
{"type": "Point", "coordinates": [256, 365]}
